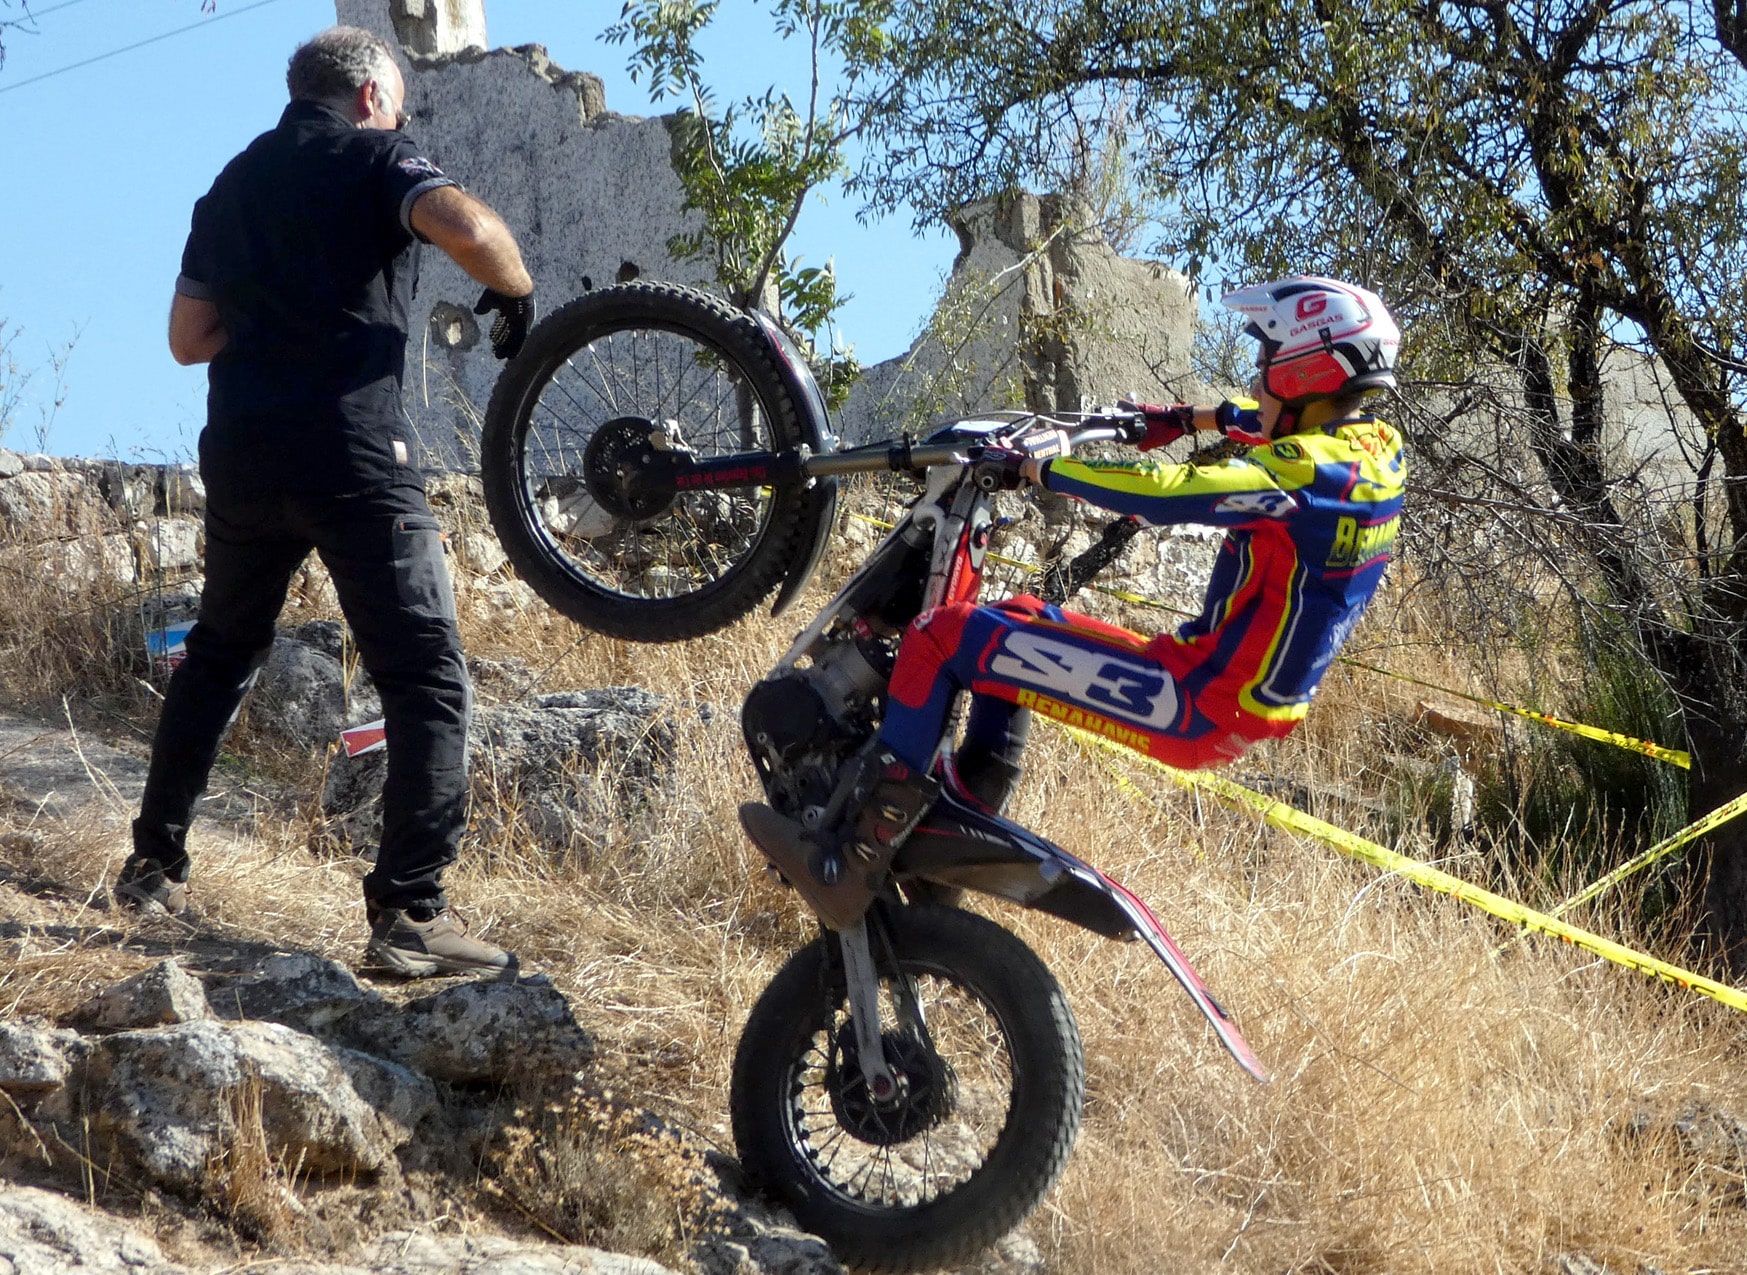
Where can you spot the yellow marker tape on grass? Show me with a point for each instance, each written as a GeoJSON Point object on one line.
{"type": "Point", "coordinates": [1662, 849]}
{"type": "Point", "coordinates": [1673, 756]}
{"type": "Point", "coordinates": [1280, 815]}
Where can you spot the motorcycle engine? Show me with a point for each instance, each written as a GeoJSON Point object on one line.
{"type": "Point", "coordinates": [803, 723]}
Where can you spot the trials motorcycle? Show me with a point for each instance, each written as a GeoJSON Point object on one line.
{"type": "Point", "coordinates": [656, 464]}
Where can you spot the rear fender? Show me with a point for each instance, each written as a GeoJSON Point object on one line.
{"type": "Point", "coordinates": [815, 421]}
{"type": "Point", "coordinates": [960, 845]}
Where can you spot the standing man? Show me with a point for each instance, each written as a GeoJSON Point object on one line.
{"type": "Point", "coordinates": [295, 286]}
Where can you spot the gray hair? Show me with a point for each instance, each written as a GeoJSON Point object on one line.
{"type": "Point", "coordinates": [335, 64]}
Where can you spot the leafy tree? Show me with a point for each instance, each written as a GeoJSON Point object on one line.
{"type": "Point", "coordinates": [748, 167]}
{"type": "Point", "coordinates": [1533, 183]}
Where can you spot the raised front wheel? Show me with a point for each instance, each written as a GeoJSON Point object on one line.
{"type": "Point", "coordinates": [575, 413]}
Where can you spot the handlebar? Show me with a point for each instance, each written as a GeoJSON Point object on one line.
{"type": "Point", "coordinates": [903, 455]}
{"type": "Point", "coordinates": [660, 472]}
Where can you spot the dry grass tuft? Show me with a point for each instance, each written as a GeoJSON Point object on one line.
{"type": "Point", "coordinates": [591, 1169]}
{"type": "Point", "coordinates": [249, 1183]}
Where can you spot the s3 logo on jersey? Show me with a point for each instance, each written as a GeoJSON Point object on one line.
{"type": "Point", "coordinates": [1082, 675]}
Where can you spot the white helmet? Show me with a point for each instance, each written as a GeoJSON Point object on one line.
{"type": "Point", "coordinates": [1320, 337]}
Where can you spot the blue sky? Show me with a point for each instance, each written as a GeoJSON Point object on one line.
{"type": "Point", "coordinates": [100, 166]}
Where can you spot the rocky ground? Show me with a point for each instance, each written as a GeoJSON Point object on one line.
{"type": "Point", "coordinates": [162, 1054]}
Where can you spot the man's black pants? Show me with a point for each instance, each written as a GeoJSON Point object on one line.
{"type": "Point", "coordinates": [385, 555]}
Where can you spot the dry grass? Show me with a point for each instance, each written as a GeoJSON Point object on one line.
{"type": "Point", "coordinates": [1435, 1108]}
{"type": "Point", "coordinates": [591, 1170]}
{"type": "Point", "coordinates": [249, 1182]}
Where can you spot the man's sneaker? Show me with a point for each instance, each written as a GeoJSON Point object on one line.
{"type": "Point", "coordinates": [143, 887]}
{"type": "Point", "coordinates": [413, 949]}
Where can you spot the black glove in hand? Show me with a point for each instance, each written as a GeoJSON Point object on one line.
{"type": "Point", "coordinates": [515, 315]}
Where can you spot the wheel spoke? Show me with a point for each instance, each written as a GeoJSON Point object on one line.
{"type": "Point", "coordinates": [928, 1142]}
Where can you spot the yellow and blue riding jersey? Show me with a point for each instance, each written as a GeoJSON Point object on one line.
{"type": "Point", "coordinates": [1310, 522]}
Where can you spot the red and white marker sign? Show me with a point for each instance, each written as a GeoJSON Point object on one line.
{"type": "Point", "coordinates": [366, 738]}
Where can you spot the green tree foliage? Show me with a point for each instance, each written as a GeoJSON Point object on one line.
{"type": "Point", "coordinates": [1532, 184]}
{"type": "Point", "coordinates": [748, 166]}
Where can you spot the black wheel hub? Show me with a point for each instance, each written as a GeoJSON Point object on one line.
{"type": "Point", "coordinates": [617, 456]}
{"type": "Point", "coordinates": [926, 1092]}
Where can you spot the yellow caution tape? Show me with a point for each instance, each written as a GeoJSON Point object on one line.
{"type": "Point", "coordinates": [1280, 815]}
{"type": "Point", "coordinates": [1662, 849]}
{"type": "Point", "coordinates": [1673, 756]}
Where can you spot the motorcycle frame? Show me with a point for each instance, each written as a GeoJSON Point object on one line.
{"type": "Point", "coordinates": [959, 845]}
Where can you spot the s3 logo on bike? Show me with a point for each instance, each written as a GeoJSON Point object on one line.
{"type": "Point", "coordinates": [1081, 675]}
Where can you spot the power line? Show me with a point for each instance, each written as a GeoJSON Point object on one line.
{"type": "Point", "coordinates": [31, 15]}
{"type": "Point", "coordinates": [193, 26]}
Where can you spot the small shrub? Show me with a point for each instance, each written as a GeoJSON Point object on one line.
{"type": "Point", "coordinates": [591, 1170]}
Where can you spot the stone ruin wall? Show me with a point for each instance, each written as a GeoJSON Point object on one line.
{"type": "Point", "coordinates": [594, 199]}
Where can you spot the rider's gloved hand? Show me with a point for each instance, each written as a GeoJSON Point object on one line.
{"type": "Point", "coordinates": [1165, 422]}
{"type": "Point", "coordinates": [1239, 419]}
{"type": "Point", "coordinates": [515, 315]}
{"type": "Point", "coordinates": [1002, 468]}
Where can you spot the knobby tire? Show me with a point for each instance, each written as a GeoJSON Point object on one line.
{"type": "Point", "coordinates": [780, 1095]}
{"type": "Point", "coordinates": [641, 351]}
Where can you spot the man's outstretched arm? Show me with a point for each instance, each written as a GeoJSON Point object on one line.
{"type": "Point", "coordinates": [475, 236]}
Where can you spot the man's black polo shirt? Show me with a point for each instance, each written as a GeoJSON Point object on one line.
{"type": "Point", "coordinates": [304, 244]}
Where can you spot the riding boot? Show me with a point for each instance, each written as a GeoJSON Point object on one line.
{"type": "Point", "coordinates": [838, 870]}
{"type": "Point", "coordinates": [985, 769]}
{"type": "Point", "coordinates": [984, 780]}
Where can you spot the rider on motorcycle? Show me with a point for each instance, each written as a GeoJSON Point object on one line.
{"type": "Point", "coordinates": [1310, 512]}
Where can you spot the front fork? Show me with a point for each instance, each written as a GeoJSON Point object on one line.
{"type": "Point", "coordinates": [864, 1010]}
{"type": "Point", "coordinates": [862, 977]}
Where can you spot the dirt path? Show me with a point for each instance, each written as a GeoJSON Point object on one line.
{"type": "Point", "coordinates": [52, 770]}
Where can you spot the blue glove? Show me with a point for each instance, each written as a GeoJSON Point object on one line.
{"type": "Point", "coordinates": [1240, 420]}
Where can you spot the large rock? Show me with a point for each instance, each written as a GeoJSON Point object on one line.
{"type": "Point", "coordinates": [559, 770]}
{"type": "Point", "coordinates": [77, 563]}
{"type": "Point", "coordinates": [498, 1032]}
{"type": "Point", "coordinates": [304, 692]}
{"type": "Point", "coordinates": [182, 492]}
{"type": "Point", "coordinates": [749, 1235]}
{"type": "Point", "coordinates": [165, 993]}
{"type": "Point", "coordinates": [168, 1100]}
{"type": "Point", "coordinates": [419, 1253]}
{"type": "Point", "coordinates": [300, 990]}
{"type": "Point", "coordinates": [40, 504]}
{"type": "Point", "coordinates": [36, 1061]}
{"type": "Point", "coordinates": [169, 544]}
{"type": "Point", "coordinates": [42, 1233]}
{"type": "Point", "coordinates": [130, 490]}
